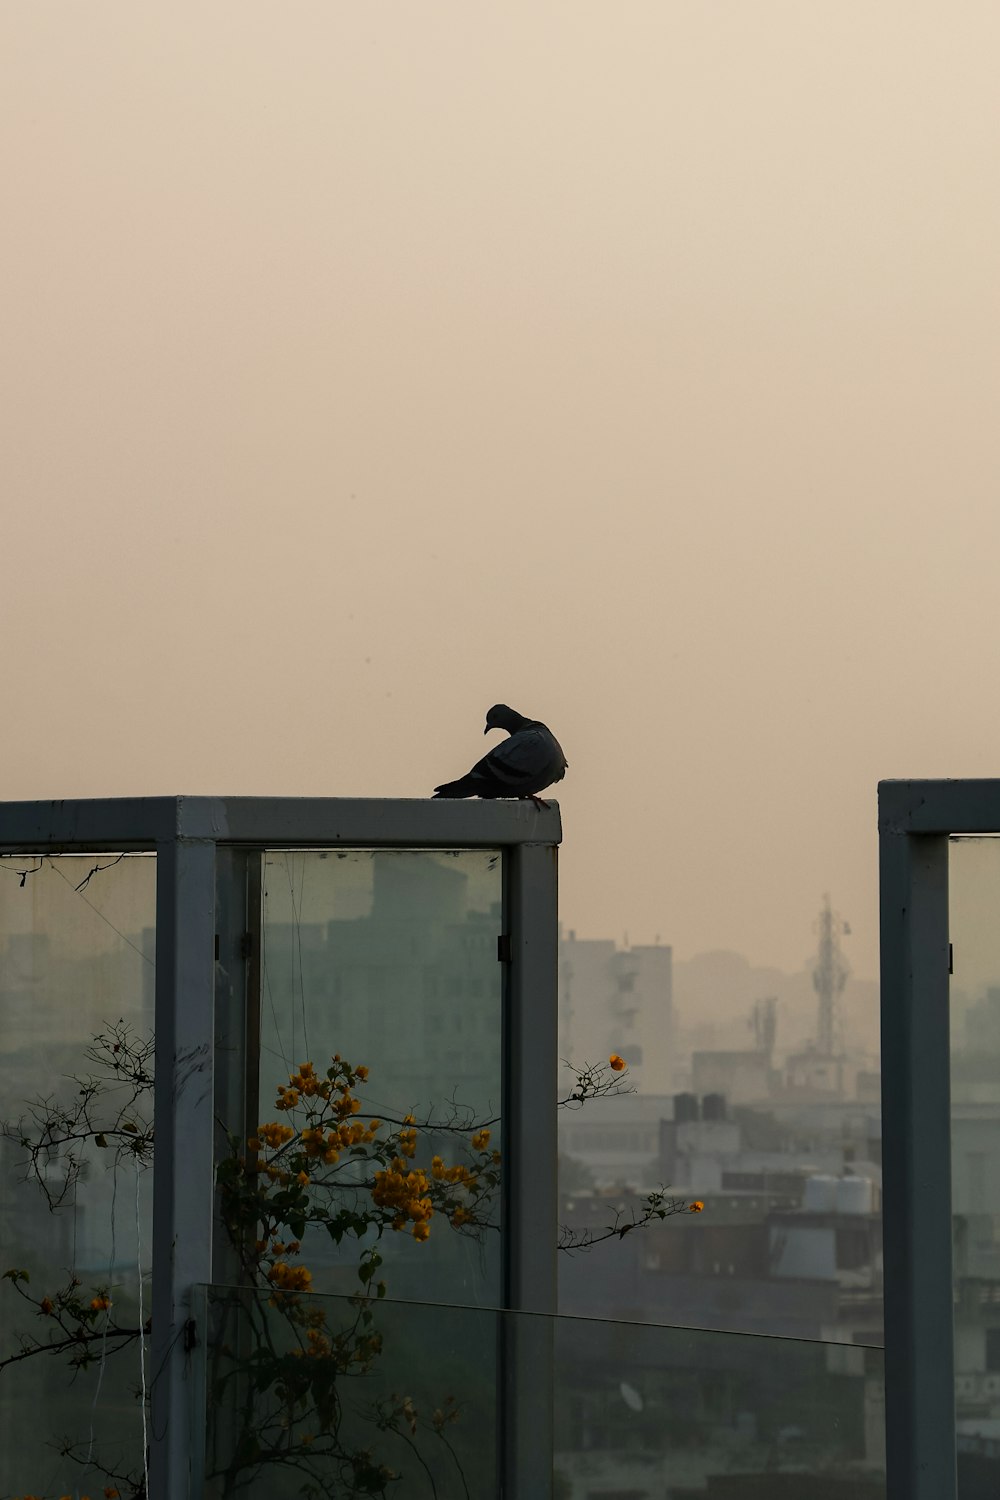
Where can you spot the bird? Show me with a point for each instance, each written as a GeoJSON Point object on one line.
{"type": "Point", "coordinates": [521, 766]}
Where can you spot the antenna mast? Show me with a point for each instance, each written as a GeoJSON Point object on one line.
{"type": "Point", "coordinates": [829, 977]}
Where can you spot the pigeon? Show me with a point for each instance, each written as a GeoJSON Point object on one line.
{"type": "Point", "coordinates": [521, 766]}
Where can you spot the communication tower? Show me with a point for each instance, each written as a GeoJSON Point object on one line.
{"type": "Point", "coordinates": [829, 977]}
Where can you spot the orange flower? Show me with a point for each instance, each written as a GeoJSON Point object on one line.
{"type": "Point", "coordinates": [290, 1278]}
{"type": "Point", "coordinates": [110, 1493]}
{"type": "Point", "coordinates": [695, 1207]}
{"type": "Point", "coordinates": [46, 1306]}
{"type": "Point", "coordinates": [99, 1304]}
{"type": "Point", "coordinates": [617, 1063]}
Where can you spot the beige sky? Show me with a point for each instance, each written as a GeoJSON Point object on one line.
{"type": "Point", "coordinates": [637, 364]}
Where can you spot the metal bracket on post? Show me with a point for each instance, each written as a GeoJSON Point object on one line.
{"type": "Point", "coordinates": [916, 1136]}
{"type": "Point", "coordinates": [531, 1205]}
{"type": "Point", "coordinates": [183, 1175]}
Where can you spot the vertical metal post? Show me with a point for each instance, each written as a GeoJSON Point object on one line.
{"type": "Point", "coordinates": [916, 1131]}
{"type": "Point", "coordinates": [531, 1205]}
{"type": "Point", "coordinates": [237, 1068]}
{"type": "Point", "coordinates": [183, 1177]}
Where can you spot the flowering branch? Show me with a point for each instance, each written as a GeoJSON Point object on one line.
{"type": "Point", "coordinates": [77, 1319]}
{"type": "Point", "coordinates": [51, 1131]}
{"type": "Point", "coordinates": [596, 1081]}
{"type": "Point", "coordinates": [657, 1206]}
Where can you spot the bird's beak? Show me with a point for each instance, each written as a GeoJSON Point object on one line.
{"type": "Point", "coordinates": [487, 729]}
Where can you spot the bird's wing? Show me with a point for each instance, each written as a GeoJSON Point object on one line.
{"type": "Point", "coordinates": [519, 759]}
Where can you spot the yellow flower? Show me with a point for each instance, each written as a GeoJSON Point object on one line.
{"type": "Point", "coordinates": [274, 1134]}
{"type": "Point", "coordinates": [421, 1231]}
{"type": "Point", "coordinates": [302, 1179]}
{"type": "Point", "coordinates": [98, 1304]}
{"type": "Point", "coordinates": [290, 1278]}
{"type": "Point", "coordinates": [695, 1207]}
{"type": "Point", "coordinates": [481, 1140]}
{"type": "Point", "coordinates": [617, 1063]}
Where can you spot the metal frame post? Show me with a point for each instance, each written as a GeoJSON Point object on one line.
{"type": "Point", "coordinates": [916, 820]}
{"type": "Point", "coordinates": [184, 1175]}
{"type": "Point", "coordinates": [531, 1203]}
{"type": "Point", "coordinates": [532, 1062]}
{"type": "Point", "coordinates": [916, 1148]}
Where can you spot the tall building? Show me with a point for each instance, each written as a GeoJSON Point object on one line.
{"type": "Point", "coordinates": [620, 1000]}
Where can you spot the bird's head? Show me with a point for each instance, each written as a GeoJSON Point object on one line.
{"type": "Point", "coordinates": [502, 717]}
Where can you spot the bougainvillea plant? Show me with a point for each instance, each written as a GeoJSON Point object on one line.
{"type": "Point", "coordinates": [284, 1364]}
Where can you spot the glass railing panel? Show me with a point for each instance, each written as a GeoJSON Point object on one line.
{"type": "Point", "coordinates": [389, 959]}
{"type": "Point", "coordinates": [76, 1017]}
{"type": "Point", "coordinates": [754, 1091]}
{"type": "Point", "coordinates": [974, 925]}
{"type": "Point", "coordinates": [330, 1395]}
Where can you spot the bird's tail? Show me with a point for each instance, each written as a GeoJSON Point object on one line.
{"type": "Point", "coordinates": [459, 788]}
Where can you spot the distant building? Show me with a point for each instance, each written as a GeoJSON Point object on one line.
{"type": "Point", "coordinates": [620, 1000]}
{"type": "Point", "coordinates": [743, 1077]}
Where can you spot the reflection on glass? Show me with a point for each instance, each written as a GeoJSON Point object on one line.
{"type": "Point", "coordinates": [974, 899]}
{"type": "Point", "coordinates": [430, 1393]}
{"type": "Point", "coordinates": [389, 958]}
{"type": "Point", "coordinates": [76, 963]}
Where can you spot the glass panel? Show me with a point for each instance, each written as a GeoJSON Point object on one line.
{"type": "Point", "coordinates": [974, 917]}
{"type": "Point", "coordinates": [636, 1411]}
{"type": "Point", "coordinates": [752, 1090]}
{"type": "Point", "coordinates": [76, 1018]}
{"type": "Point", "coordinates": [389, 959]}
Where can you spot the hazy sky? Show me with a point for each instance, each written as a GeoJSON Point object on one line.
{"type": "Point", "coordinates": [363, 364]}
